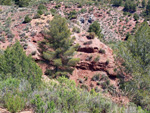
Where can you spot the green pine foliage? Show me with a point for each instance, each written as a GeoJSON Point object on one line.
{"type": "Point", "coordinates": [148, 8]}
{"type": "Point", "coordinates": [20, 3]}
{"type": "Point", "coordinates": [117, 3]}
{"type": "Point", "coordinates": [136, 17]}
{"type": "Point", "coordinates": [136, 56]}
{"type": "Point", "coordinates": [59, 48]}
{"type": "Point", "coordinates": [27, 19]}
{"type": "Point", "coordinates": [6, 2]}
{"type": "Point", "coordinates": [143, 3]}
{"type": "Point", "coordinates": [130, 6]}
{"type": "Point", "coordinates": [14, 63]}
{"type": "Point", "coordinates": [95, 27]}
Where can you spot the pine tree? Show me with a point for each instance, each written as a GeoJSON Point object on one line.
{"type": "Point", "coordinates": [136, 56]}
{"type": "Point", "coordinates": [59, 47]}
{"type": "Point", "coordinates": [143, 3]}
{"type": "Point", "coordinates": [148, 8]}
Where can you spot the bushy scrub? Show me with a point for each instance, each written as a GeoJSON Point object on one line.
{"type": "Point", "coordinates": [135, 57]}
{"type": "Point", "coordinates": [66, 97]}
{"type": "Point", "coordinates": [14, 103]}
{"type": "Point", "coordinates": [14, 63]}
{"type": "Point", "coordinates": [14, 93]}
{"type": "Point", "coordinates": [27, 19]}
{"type": "Point", "coordinates": [95, 27]}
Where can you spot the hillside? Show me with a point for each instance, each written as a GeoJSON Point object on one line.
{"type": "Point", "coordinates": [74, 56]}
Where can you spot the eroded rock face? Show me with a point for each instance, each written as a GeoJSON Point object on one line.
{"type": "Point", "coordinates": [97, 60]}
{"type": "Point", "coordinates": [94, 56]}
{"type": "Point", "coordinates": [97, 66]}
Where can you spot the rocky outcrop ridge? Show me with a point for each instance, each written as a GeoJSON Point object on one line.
{"type": "Point", "coordinates": [94, 56]}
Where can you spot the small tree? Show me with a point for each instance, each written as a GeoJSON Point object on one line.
{"type": "Point", "coordinates": [95, 27]}
{"type": "Point", "coordinates": [136, 17]}
{"type": "Point", "coordinates": [59, 48]}
{"type": "Point", "coordinates": [143, 3]}
{"type": "Point", "coordinates": [148, 8]}
{"type": "Point", "coordinates": [22, 3]}
{"type": "Point", "coordinates": [27, 19]}
{"type": "Point", "coordinates": [117, 3]}
{"type": "Point", "coordinates": [130, 6]}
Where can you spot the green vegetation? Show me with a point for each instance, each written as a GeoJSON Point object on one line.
{"type": "Point", "coordinates": [20, 3]}
{"type": "Point", "coordinates": [19, 75]}
{"type": "Point", "coordinates": [136, 56]}
{"type": "Point", "coordinates": [143, 3]}
{"type": "Point", "coordinates": [117, 3]}
{"type": "Point", "coordinates": [148, 8]}
{"type": "Point", "coordinates": [136, 17]}
{"type": "Point", "coordinates": [27, 19]}
{"type": "Point", "coordinates": [95, 27]}
{"type": "Point", "coordinates": [21, 83]}
{"type": "Point", "coordinates": [6, 2]}
{"type": "Point", "coordinates": [14, 63]}
{"type": "Point", "coordinates": [66, 97]}
{"type": "Point", "coordinates": [130, 6]}
{"type": "Point", "coordinates": [72, 15]}
{"type": "Point", "coordinates": [41, 9]}
{"type": "Point", "coordinates": [58, 39]}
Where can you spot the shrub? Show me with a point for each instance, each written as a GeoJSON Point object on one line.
{"type": "Point", "coordinates": [6, 2]}
{"type": "Point", "coordinates": [117, 3]}
{"type": "Point", "coordinates": [33, 53]}
{"type": "Point", "coordinates": [96, 77]}
{"type": "Point", "coordinates": [73, 61]}
{"type": "Point", "coordinates": [107, 62]}
{"type": "Point", "coordinates": [22, 3]}
{"type": "Point", "coordinates": [53, 11]}
{"type": "Point", "coordinates": [83, 10]}
{"type": "Point", "coordinates": [84, 87]}
{"type": "Point", "coordinates": [148, 8]}
{"type": "Point", "coordinates": [2, 38]}
{"type": "Point", "coordinates": [130, 6]}
{"type": "Point", "coordinates": [76, 29]}
{"type": "Point", "coordinates": [36, 16]}
{"type": "Point", "coordinates": [88, 43]}
{"type": "Point", "coordinates": [89, 58]}
{"type": "Point", "coordinates": [48, 56]}
{"type": "Point", "coordinates": [57, 6]}
{"type": "Point", "coordinates": [72, 15]}
{"type": "Point", "coordinates": [27, 19]}
{"type": "Point", "coordinates": [39, 12]}
{"type": "Point", "coordinates": [143, 3]}
{"type": "Point", "coordinates": [79, 6]}
{"type": "Point", "coordinates": [14, 103]}
{"type": "Point", "coordinates": [42, 7]}
{"type": "Point", "coordinates": [20, 66]}
{"type": "Point", "coordinates": [95, 27]}
{"type": "Point", "coordinates": [102, 51]}
{"type": "Point", "coordinates": [97, 59]}
{"type": "Point", "coordinates": [91, 35]}
{"type": "Point", "coordinates": [108, 82]}
{"type": "Point", "coordinates": [104, 85]}
{"type": "Point", "coordinates": [136, 17]}
{"type": "Point", "coordinates": [103, 77]}
{"type": "Point", "coordinates": [98, 83]}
